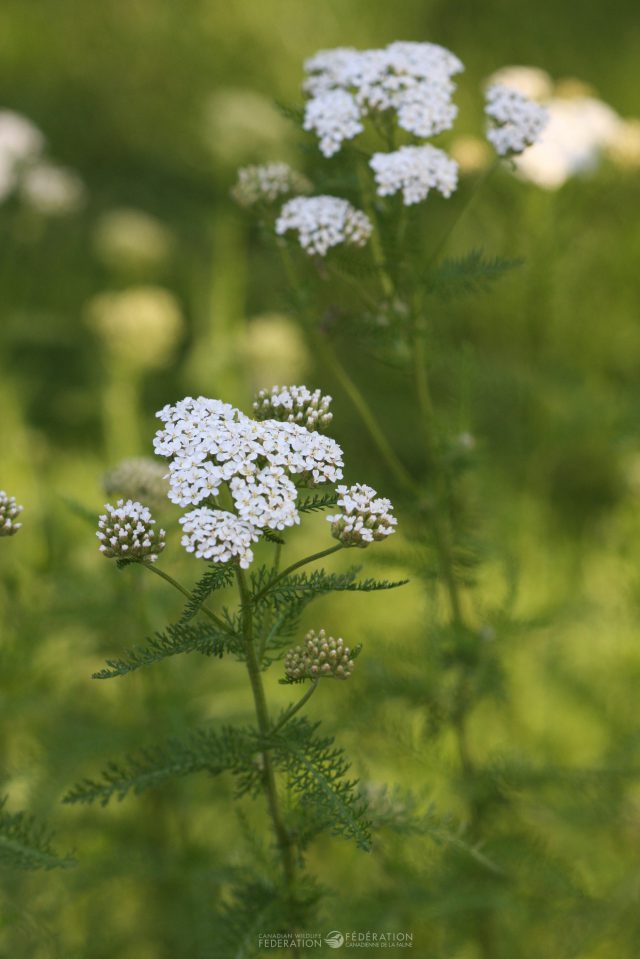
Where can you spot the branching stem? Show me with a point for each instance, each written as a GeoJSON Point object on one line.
{"type": "Point", "coordinates": [290, 569]}
{"type": "Point", "coordinates": [292, 710]}
{"type": "Point", "coordinates": [185, 592]}
{"type": "Point", "coordinates": [283, 838]}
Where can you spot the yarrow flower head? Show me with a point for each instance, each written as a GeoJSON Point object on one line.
{"type": "Point", "coordinates": [294, 404]}
{"type": "Point", "coordinates": [323, 222]}
{"type": "Point", "coordinates": [411, 79]}
{"type": "Point", "coordinates": [319, 656]}
{"type": "Point", "coordinates": [126, 531]}
{"type": "Point", "coordinates": [415, 170]}
{"type": "Point", "coordinates": [9, 511]}
{"type": "Point", "coordinates": [516, 122]}
{"type": "Point", "coordinates": [365, 517]}
{"type": "Point", "coordinates": [335, 117]}
{"type": "Point", "coordinates": [267, 183]}
{"type": "Point", "coordinates": [219, 536]}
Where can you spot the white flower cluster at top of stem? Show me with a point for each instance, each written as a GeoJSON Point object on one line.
{"type": "Point", "coordinates": [365, 517]}
{"type": "Point", "coordinates": [517, 120]}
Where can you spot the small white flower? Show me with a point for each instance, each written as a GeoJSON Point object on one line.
{"type": "Point", "coordinates": [267, 183]}
{"type": "Point", "coordinates": [323, 222]}
{"type": "Point", "coordinates": [415, 171]}
{"type": "Point", "coordinates": [293, 404]}
{"type": "Point", "coordinates": [516, 122]}
{"type": "Point", "coordinates": [365, 517]}
{"type": "Point", "coordinates": [218, 536]}
{"type": "Point", "coordinates": [126, 531]}
{"type": "Point", "coordinates": [9, 512]}
{"type": "Point", "coordinates": [335, 117]}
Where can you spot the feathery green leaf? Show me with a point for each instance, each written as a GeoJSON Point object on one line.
{"type": "Point", "coordinates": [26, 844]}
{"type": "Point", "coordinates": [202, 638]}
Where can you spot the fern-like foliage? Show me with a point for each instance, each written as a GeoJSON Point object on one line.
{"type": "Point", "coordinates": [318, 501]}
{"type": "Point", "coordinates": [296, 587]}
{"type": "Point", "coordinates": [201, 638]}
{"type": "Point", "coordinates": [27, 844]}
{"type": "Point", "coordinates": [472, 273]}
{"type": "Point", "coordinates": [316, 769]}
{"type": "Point", "coordinates": [216, 577]}
{"type": "Point", "coordinates": [229, 749]}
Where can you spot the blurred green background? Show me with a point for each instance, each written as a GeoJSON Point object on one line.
{"type": "Point", "coordinates": [154, 104]}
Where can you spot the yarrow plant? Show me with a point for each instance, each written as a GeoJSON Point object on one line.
{"type": "Point", "coordinates": [374, 115]}
{"type": "Point", "coordinates": [250, 480]}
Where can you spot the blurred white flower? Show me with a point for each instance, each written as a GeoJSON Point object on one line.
{"type": "Point", "coordinates": [52, 190]}
{"type": "Point", "coordinates": [20, 142]}
{"type": "Point", "coordinates": [140, 326]}
{"type": "Point", "coordinates": [275, 350]}
{"type": "Point", "coordinates": [578, 132]}
{"type": "Point", "coordinates": [132, 241]}
{"type": "Point", "coordinates": [531, 82]}
{"type": "Point", "coordinates": [241, 125]}
{"type": "Point", "coordinates": [624, 148]}
{"type": "Point", "coordinates": [267, 182]}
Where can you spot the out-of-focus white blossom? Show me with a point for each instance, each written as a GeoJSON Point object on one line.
{"type": "Point", "coordinates": [52, 190]}
{"type": "Point", "coordinates": [624, 147]}
{"type": "Point", "coordinates": [294, 404]}
{"type": "Point", "coordinates": [126, 531]}
{"type": "Point", "coordinates": [415, 171]}
{"type": "Point", "coordinates": [472, 154]}
{"type": "Point", "coordinates": [242, 125]}
{"type": "Point", "coordinates": [531, 82]}
{"type": "Point", "coordinates": [138, 478]}
{"type": "Point", "coordinates": [140, 326]}
{"type": "Point", "coordinates": [335, 117]}
{"type": "Point", "coordinates": [516, 121]}
{"type": "Point", "coordinates": [275, 349]}
{"type": "Point", "coordinates": [219, 536]}
{"type": "Point", "coordinates": [132, 241]}
{"type": "Point", "coordinates": [20, 143]}
{"type": "Point", "coordinates": [323, 222]}
{"type": "Point", "coordinates": [365, 517]}
{"type": "Point", "coordinates": [9, 512]}
{"type": "Point", "coordinates": [266, 183]}
{"type": "Point", "coordinates": [578, 132]}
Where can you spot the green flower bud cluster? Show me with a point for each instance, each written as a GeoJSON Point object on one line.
{"type": "Point", "coordinates": [319, 656]}
{"type": "Point", "coordinates": [294, 404]}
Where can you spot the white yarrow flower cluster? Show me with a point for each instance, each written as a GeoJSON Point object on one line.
{"type": "Point", "coordinates": [415, 170]}
{"type": "Point", "coordinates": [211, 445]}
{"type": "Point", "coordinates": [9, 512]}
{"type": "Point", "coordinates": [267, 183]}
{"type": "Point", "coordinates": [219, 536]}
{"type": "Point", "coordinates": [365, 517]}
{"type": "Point", "coordinates": [323, 222]}
{"type": "Point", "coordinates": [516, 122]}
{"type": "Point", "coordinates": [294, 404]}
{"type": "Point", "coordinates": [335, 117]}
{"type": "Point", "coordinates": [347, 85]}
{"type": "Point", "coordinates": [126, 531]}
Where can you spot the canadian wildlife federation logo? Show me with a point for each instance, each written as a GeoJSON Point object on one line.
{"type": "Point", "coordinates": [334, 939]}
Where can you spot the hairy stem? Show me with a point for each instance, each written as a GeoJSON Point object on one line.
{"type": "Point", "coordinates": [283, 838]}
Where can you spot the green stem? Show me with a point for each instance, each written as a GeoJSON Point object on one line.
{"type": "Point", "coordinates": [283, 838]}
{"type": "Point", "coordinates": [377, 251]}
{"type": "Point", "coordinates": [365, 412]}
{"type": "Point", "coordinates": [290, 569]}
{"type": "Point", "coordinates": [292, 710]}
{"type": "Point", "coordinates": [185, 592]}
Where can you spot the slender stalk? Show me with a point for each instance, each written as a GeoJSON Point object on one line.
{"type": "Point", "coordinates": [365, 412]}
{"type": "Point", "coordinates": [283, 838]}
{"type": "Point", "coordinates": [292, 710]}
{"type": "Point", "coordinates": [185, 592]}
{"type": "Point", "coordinates": [290, 569]}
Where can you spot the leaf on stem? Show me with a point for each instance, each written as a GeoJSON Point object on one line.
{"type": "Point", "coordinates": [472, 273]}
{"type": "Point", "coordinates": [26, 844]}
